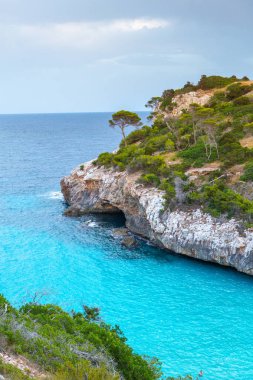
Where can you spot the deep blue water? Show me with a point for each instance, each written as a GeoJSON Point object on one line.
{"type": "Point", "coordinates": [191, 315]}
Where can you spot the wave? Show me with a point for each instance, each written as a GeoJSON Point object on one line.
{"type": "Point", "coordinates": [53, 195]}
{"type": "Point", "coordinates": [91, 223]}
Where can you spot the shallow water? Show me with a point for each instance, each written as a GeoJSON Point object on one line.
{"type": "Point", "coordinates": [190, 314]}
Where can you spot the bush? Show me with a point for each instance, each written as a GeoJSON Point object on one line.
{"type": "Point", "coordinates": [11, 372]}
{"type": "Point", "coordinates": [137, 135]}
{"type": "Point", "coordinates": [158, 143]}
{"type": "Point", "coordinates": [53, 339]}
{"type": "Point", "coordinates": [196, 155]}
{"type": "Point", "coordinates": [170, 192]}
{"type": "Point", "coordinates": [242, 101]}
{"type": "Point", "coordinates": [104, 159]}
{"type": "Point", "coordinates": [149, 164]}
{"type": "Point", "coordinates": [237, 90]}
{"type": "Point", "coordinates": [219, 199]}
{"type": "Point", "coordinates": [215, 81]}
{"type": "Point", "coordinates": [248, 172]}
{"type": "Point", "coordinates": [124, 156]}
{"type": "Point", "coordinates": [231, 151]}
{"type": "Point", "coordinates": [248, 127]}
{"type": "Point", "coordinates": [217, 98]}
{"type": "Point", "coordinates": [166, 98]}
{"type": "Point", "coordinates": [83, 370]}
{"type": "Point", "coordinates": [150, 179]}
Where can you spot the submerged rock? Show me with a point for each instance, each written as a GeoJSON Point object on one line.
{"type": "Point", "coordinates": [72, 212]}
{"type": "Point", "coordinates": [120, 232]}
{"type": "Point", "coordinates": [124, 236]}
{"type": "Point", "coordinates": [193, 232]}
{"type": "Point", "coordinates": [129, 242]}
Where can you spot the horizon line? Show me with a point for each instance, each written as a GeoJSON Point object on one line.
{"type": "Point", "coordinates": [62, 113]}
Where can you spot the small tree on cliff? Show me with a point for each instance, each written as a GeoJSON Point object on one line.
{"type": "Point", "coordinates": [123, 119]}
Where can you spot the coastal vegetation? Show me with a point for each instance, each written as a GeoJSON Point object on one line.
{"type": "Point", "coordinates": [201, 156]}
{"type": "Point", "coordinates": [123, 119]}
{"type": "Point", "coordinates": [68, 346]}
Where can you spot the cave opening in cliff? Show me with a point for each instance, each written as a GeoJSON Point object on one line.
{"type": "Point", "coordinates": [118, 219]}
{"type": "Point", "coordinates": [113, 220]}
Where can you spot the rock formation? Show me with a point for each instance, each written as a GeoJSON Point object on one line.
{"type": "Point", "coordinates": [189, 232]}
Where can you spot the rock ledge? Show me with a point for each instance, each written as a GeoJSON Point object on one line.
{"type": "Point", "coordinates": [192, 233]}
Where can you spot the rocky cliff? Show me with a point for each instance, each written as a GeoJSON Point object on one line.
{"type": "Point", "coordinates": [193, 233]}
{"type": "Point", "coordinates": [183, 101]}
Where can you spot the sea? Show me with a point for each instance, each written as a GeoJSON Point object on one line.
{"type": "Point", "coordinates": [190, 314]}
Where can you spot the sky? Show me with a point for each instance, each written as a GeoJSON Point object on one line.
{"type": "Point", "coordinates": [106, 55]}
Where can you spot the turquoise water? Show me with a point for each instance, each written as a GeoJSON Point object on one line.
{"type": "Point", "coordinates": [190, 314]}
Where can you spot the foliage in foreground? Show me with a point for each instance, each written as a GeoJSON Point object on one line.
{"type": "Point", "coordinates": [70, 346]}
{"type": "Point", "coordinates": [11, 372]}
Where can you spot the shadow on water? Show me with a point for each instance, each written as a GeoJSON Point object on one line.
{"type": "Point", "coordinates": [103, 225]}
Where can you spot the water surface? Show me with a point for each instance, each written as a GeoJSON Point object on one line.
{"type": "Point", "coordinates": [190, 314]}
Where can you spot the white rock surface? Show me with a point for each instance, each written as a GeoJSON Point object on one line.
{"type": "Point", "coordinates": [192, 233]}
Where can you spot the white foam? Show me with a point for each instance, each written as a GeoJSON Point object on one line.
{"type": "Point", "coordinates": [90, 223]}
{"type": "Point", "coordinates": [53, 195]}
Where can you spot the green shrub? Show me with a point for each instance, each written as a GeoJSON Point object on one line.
{"type": "Point", "coordinates": [170, 191]}
{"type": "Point", "coordinates": [237, 90]}
{"type": "Point", "coordinates": [169, 145]}
{"type": "Point", "coordinates": [158, 143]}
{"type": "Point", "coordinates": [188, 87]}
{"type": "Point", "coordinates": [231, 151]}
{"type": "Point", "coordinates": [137, 135]}
{"type": "Point", "coordinates": [150, 179]}
{"type": "Point", "coordinates": [149, 164]}
{"type": "Point", "coordinates": [166, 99]}
{"type": "Point", "coordinates": [218, 199]}
{"type": "Point", "coordinates": [242, 101]}
{"type": "Point", "coordinates": [248, 172]}
{"type": "Point", "coordinates": [248, 127]}
{"type": "Point", "coordinates": [83, 370]}
{"type": "Point", "coordinates": [196, 155]}
{"type": "Point", "coordinates": [53, 339]}
{"type": "Point", "coordinates": [215, 81]}
{"type": "Point", "coordinates": [104, 159]}
{"type": "Point", "coordinates": [11, 372]}
{"type": "Point", "coordinates": [217, 98]}
{"type": "Point", "coordinates": [124, 156]}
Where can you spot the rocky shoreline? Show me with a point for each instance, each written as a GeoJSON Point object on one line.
{"type": "Point", "coordinates": [193, 233]}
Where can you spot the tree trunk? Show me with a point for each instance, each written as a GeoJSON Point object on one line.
{"type": "Point", "coordinates": [124, 136]}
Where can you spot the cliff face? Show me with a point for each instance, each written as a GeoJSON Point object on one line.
{"type": "Point", "coordinates": [183, 102]}
{"type": "Point", "coordinates": [192, 233]}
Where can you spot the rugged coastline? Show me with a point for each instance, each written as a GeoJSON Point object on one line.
{"type": "Point", "coordinates": [193, 232]}
{"type": "Point", "coordinates": [185, 182]}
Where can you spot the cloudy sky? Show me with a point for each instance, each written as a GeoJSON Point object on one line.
{"type": "Point", "coordinates": [104, 55]}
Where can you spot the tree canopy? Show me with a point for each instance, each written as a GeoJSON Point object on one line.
{"type": "Point", "coordinates": [123, 119]}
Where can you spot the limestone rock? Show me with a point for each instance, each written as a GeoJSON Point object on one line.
{"type": "Point", "coordinates": [120, 232]}
{"type": "Point", "coordinates": [193, 233]}
{"type": "Point", "coordinates": [129, 242]}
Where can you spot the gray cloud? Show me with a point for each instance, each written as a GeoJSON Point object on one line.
{"type": "Point", "coordinates": [82, 55]}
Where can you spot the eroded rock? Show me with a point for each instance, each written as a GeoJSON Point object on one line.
{"type": "Point", "coordinates": [120, 232]}
{"type": "Point", "coordinates": [129, 242]}
{"type": "Point", "coordinates": [192, 233]}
